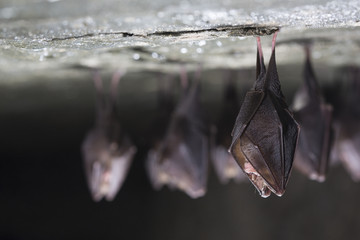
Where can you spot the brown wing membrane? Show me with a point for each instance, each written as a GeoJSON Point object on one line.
{"type": "Point", "coordinates": [265, 133]}
{"type": "Point", "coordinates": [107, 151]}
{"type": "Point", "coordinates": [315, 118]}
{"type": "Point", "coordinates": [348, 138]}
{"type": "Point", "coordinates": [251, 103]}
{"type": "Point", "coordinates": [224, 164]}
{"type": "Point", "coordinates": [182, 159]}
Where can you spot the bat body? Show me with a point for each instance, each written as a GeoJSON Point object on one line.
{"type": "Point", "coordinates": [160, 125]}
{"type": "Point", "coordinates": [107, 151]}
{"type": "Point", "coordinates": [224, 164]}
{"type": "Point", "coordinates": [165, 108]}
{"type": "Point", "coordinates": [265, 133]}
{"type": "Point", "coordinates": [315, 119]}
{"type": "Point", "coordinates": [181, 161]}
{"type": "Point", "coordinates": [347, 144]}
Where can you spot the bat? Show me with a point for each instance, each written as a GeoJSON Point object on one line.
{"type": "Point", "coordinates": [181, 161]}
{"type": "Point", "coordinates": [224, 164]}
{"type": "Point", "coordinates": [347, 144]}
{"type": "Point", "coordinates": [265, 133]}
{"type": "Point", "coordinates": [107, 151]}
{"type": "Point", "coordinates": [315, 118]}
{"type": "Point", "coordinates": [165, 108]}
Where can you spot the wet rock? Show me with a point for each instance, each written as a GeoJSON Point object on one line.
{"type": "Point", "coordinates": [141, 35]}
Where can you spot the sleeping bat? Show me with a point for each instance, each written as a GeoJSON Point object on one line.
{"type": "Point", "coordinates": [181, 161]}
{"type": "Point", "coordinates": [224, 164]}
{"type": "Point", "coordinates": [107, 151]}
{"type": "Point", "coordinates": [347, 143]}
{"type": "Point", "coordinates": [165, 108]}
{"type": "Point", "coordinates": [265, 133]}
{"type": "Point", "coordinates": [315, 119]}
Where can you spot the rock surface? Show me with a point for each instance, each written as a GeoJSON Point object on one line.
{"type": "Point", "coordinates": [43, 36]}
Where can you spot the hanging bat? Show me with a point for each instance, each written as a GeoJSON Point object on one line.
{"type": "Point", "coordinates": [347, 144]}
{"type": "Point", "coordinates": [107, 151]}
{"type": "Point", "coordinates": [182, 159]}
{"type": "Point", "coordinates": [265, 134]}
{"type": "Point", "coordinates": [224, 164]}
{"type": "Point", "coordinates": [166, 105]}
{"type": "Point", "coordinates": [315, 119]}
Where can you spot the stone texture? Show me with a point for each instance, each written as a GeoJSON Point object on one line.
{"type": "Point", "coordinates": [43, 36]}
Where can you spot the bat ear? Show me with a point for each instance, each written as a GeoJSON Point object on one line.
{"type": "Point", "coordinates": [272, 77]}
{"type": "Point", "coordinates": [260, 66]}
{"type": "Point", "coordinates": [114, 84]}
{"type": "Point", "coordinates": [99, 88]}
{"type": "Point", "coordinates": [309, 75]}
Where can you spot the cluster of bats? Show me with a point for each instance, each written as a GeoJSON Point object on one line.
{"type": "Point", "coordinates": [265, 141]}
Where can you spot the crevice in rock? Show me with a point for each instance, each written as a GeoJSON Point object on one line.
{"type": "Point", "coordinates": [237, 31]}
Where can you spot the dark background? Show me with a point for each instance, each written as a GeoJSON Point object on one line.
{"type": "Point", "coordinates": [43, 194]}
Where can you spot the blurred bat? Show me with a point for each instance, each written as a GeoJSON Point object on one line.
{"type": "Point", "coordinates": [347, 143]}
{"type": "Point", "coordinates": [107, 151]}
{"type": "Point", "coordinates": [165, 108]}
{"type": "Point", "coordinates": [265, 133]}
{"type": "Point", "coordinates": [315, 118]}
{"type": "Point", "coordinates": [225, 165]}
{"type": "Point", "coordinates": [182, 159]}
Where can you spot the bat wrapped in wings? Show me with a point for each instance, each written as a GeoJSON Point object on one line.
{"type": "Point", "coordinates": [347, 143]}
{"type": "Point", "coordinates": [315, 118]}
{"type": "Point", "coordinates": [265, 134]}
{"type": "Point", "coordinates": [107, 151]}
{"type": "Point", "coordinates": [181, 161]}
{"type": "Point", "coordinates": [160, 124]}
{"type": "Point", "coordinates": [224, 164]}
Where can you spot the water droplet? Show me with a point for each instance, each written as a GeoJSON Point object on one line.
{"type": "Point", "coordinates": [136, 56]}
{"type": "Point", "coordinates": [202, 43]}
{"type": "Point", "coordinates": [46, 52]}
{"type": "Point", "coordinates": [199, 50]}
{"type": "Point", "coordinates": [219, 43]}
{"type": "Point", "coordinates": [183, 50]}
{"type": "Point", "coordinates": [154, 55]}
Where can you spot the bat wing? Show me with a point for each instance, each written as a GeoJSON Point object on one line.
{"type": "Point", "coordinates": [347, 146]}
{"type": "Point", "coordinates": [350, 156]}
{"type": "Point", "coordinates": [289, 127]}
{"type": "Point", "coordinates": [249, 107]}
{"type": "Point", "coordinates": [105, 168]}
{"type": "Point", "coordinates": [120, 166]}
{"type": "Point", "coordinates": [265, 134]}
{"type": "Point", "coordinates": [313, 150]}
{"type": "Point", "coordinates": [315, 118]}
{"type": "Point", "coordinates": [261, 150]}
{"type": "Point", "coordinates": [182, 161]}
{"type": "Point", "coordinates": [290, 133]}
{"type": "Point", "coordinates": [225, 166]}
